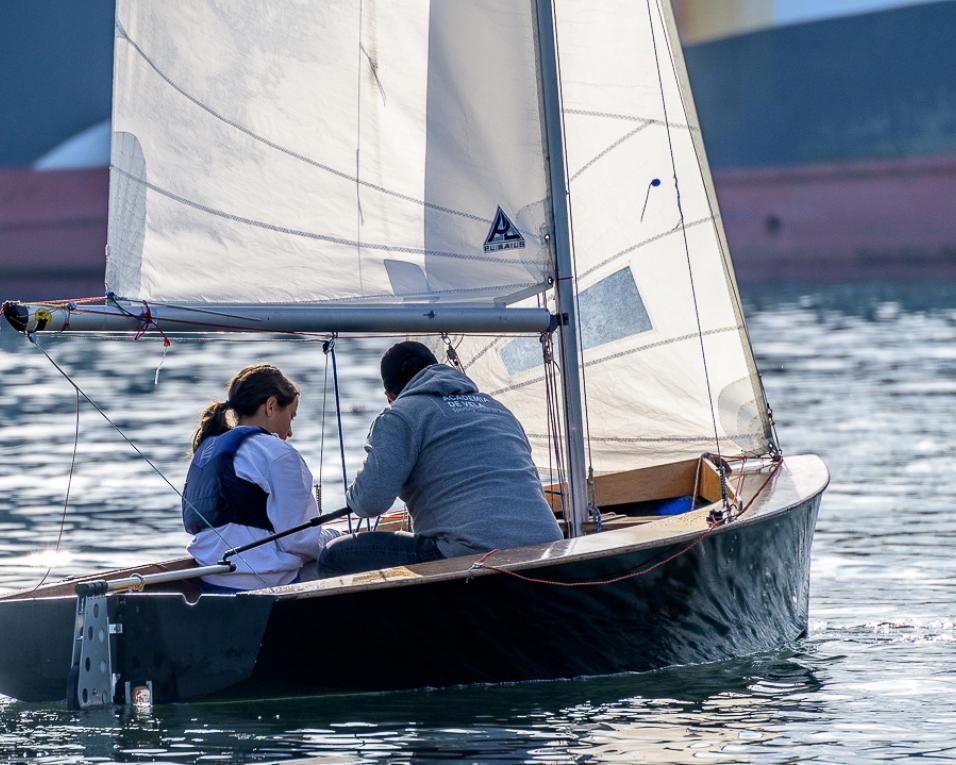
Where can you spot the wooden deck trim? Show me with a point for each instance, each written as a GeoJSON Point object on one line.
{"type": "Point", "coordinates": [668, 530]}
{"type": "Point", "coordinates": [648, 484]}
{"type": "Point", "coordinates": [628, 536]}
{"type": "Point", "coordinates": [68, 586]}
{"type": "Point", "coordinates": [638, 485]}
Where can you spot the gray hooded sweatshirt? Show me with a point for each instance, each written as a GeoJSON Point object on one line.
{"type": "Point", "coordinates": [462, 464]}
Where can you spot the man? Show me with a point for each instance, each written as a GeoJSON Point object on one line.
{"type": "Point", "coordinates": [458, 459]}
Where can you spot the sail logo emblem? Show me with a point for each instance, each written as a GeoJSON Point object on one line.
{"type": "Point", "coordinates": [503, 235]}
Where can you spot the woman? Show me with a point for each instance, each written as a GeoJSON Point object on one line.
{"type": "Point", "coordinates": [246, 482]}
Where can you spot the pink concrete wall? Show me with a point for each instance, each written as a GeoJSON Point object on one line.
{"type": "Point", "coordinates": [878, 219]}
{"type": "Point", "coordinates": [52, 233]}
{"type": "Point", "coordinates": [893, 219]}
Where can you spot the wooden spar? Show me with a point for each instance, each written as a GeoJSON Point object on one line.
{"type": "Point", "coordinates": [137, 317]}
{"type": "Point", "coordinates": [563, 268]}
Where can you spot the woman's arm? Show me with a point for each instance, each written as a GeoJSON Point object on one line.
{"type": "Point", "coordinates": [292, 502]}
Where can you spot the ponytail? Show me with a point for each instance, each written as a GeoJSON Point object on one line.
{"type": "Point", "coordinates": [212, 422]}
{"type": "Point", "coordinates": [248, 390]}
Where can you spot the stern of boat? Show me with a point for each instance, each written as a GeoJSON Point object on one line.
{"type": "Point", "coordinates": [177, 648]}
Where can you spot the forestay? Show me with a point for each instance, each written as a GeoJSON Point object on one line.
{"type": "Point", "coordinates": [297, 151]}
{"type": "Point", "coordinates": [669, 369]}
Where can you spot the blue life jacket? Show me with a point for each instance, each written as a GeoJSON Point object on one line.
{"type": "Point", "coordinates": [214, 494]}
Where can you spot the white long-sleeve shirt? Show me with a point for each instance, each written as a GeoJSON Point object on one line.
{"type": "Point", "coordinates": [279, 470]}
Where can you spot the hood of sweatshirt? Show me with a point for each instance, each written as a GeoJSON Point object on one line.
{"type": "Point", "coordinates": [438, 380]}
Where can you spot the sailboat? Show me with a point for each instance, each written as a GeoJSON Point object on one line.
{"type": "Point", "coordinates": [522, 182]}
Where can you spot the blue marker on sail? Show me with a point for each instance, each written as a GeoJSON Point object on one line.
{"type": "Point", "coordinates": [503, 235]}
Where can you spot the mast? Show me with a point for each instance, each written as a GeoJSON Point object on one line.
{"type": "Point", "coordinates": [564, 271]}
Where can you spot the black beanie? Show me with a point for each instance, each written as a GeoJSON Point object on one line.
{"type": "Point", "coordinates": [402, 362]}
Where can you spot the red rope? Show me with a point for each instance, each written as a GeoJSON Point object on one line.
{"type": "Point", "coordinates": [771, 474]}
{"type": "Point", "coordinates": [632, 575]}
{"type": "Point", "coordinates": [148, 321]}
{"type": "Point", "coordinates": [484, 557]}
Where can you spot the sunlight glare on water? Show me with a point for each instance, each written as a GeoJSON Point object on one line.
{"type": "Point", "coordinates": [864, 375]}
{"type": "Point", "coordinates": [49, 558]}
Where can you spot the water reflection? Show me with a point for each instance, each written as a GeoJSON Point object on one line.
{"type": "Point", "coordinates": [121, 511]}
{"type": "Point", "coordinates": [862, 374]}
{"type": "Point", "coordinates": [716, 710]}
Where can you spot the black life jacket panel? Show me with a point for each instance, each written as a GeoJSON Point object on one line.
{"type": "Point", "coordinates": [215, 493]}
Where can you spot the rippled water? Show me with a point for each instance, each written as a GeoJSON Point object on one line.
{"type": "Point", "coordinates": [864, 375]}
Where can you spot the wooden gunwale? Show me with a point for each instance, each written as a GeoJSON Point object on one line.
{"type": "Point", "coordinates": [632, 535]}
{"type": "Point", "coordinates": [669, 530]}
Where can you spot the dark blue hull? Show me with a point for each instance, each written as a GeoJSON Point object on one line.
{"type": "Point", "coordinates": [742, 589]}
{"type": "Point", "coordinates": [738, 592]}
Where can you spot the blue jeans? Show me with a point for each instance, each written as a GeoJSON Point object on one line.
{"type": "Point", "coordinates": [374, 550]}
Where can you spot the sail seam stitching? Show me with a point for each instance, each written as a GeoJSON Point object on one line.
{"type": "Point", "coordinates": [600, 155]}
{"type": "Point", "coordinates": [644, 243]}
{"type": "Point", "coordinates": [285, 150]}
{"type": "Point", "coordinates": [314, 235]}
{"type": "Point", "coordinates": [630, 118]}
{"type": "Point", "coordinates": [482, 352]}
{"type": "Point", "coordinates": [680, 75]}
{"type": "Point", "coordinates": [683, 229]}
{"type": "Point", "coordinates": [706, 438]}
{"type": "Point", "coordinates": [628, 352]}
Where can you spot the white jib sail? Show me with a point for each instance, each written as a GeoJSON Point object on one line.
{"type": "Point", "coordinates": [298, 151]}
{"type": "Point", "coordinates": [668, 368]}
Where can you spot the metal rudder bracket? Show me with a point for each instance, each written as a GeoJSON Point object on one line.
{"type": "Point", "coordinates": [90, 682]}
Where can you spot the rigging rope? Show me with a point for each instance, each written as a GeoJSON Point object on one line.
{"type": "Point", "coordinates": [713, 525]}
{"type": "Point", "coordinates": [69, 484]}
{"type": "Point", "coordinates": [690, 270]}
{"type": "Point", "coordinates": [452, 353]}
{"type": "Point", "coordinates": [80, 392]}
{"type": "Point", "coordinates": [774, 445]}
{"type": "Point", "coordinates": [146, 321]}
{"type": "Point", "coordinates": [589, 478]}
{"type": "Point", "coordinates": [554, 426]}
{"type": "Point", "coordinates": [547, 402]}
{"type": "Point", "coordinates": [56, 303]}
{"type": "Point", "coordinates": [325, 398]}
{"type": "Point", "coordinates": [480, 563]}
{"type": "Point", "coordinates": [329, 347]}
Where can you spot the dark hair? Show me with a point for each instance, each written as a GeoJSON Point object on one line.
{"type": "Point", "coordinates": [402, 362]}
{"type": "Point", "coordinates": [248, 390]}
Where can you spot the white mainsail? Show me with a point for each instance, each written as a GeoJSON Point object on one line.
{"type": "Point", "coordinates": [668, 367]}
{"type": "Point", "coordinates": [363, 152]}
{"type": "Point", "coordinates": [294, 151]}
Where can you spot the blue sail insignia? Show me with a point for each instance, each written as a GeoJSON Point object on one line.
{"type": "Point", "coordinates": [503, 235]}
